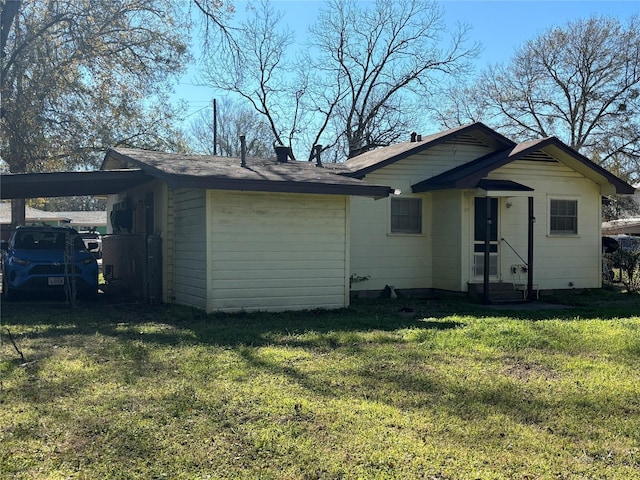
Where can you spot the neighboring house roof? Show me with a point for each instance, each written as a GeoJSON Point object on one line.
{"type": "Point", "coordinates": [92, 218]}
{"type": "Point", "coordinates": [86, 218]}
{"type": "Point", "coordinates": [31, 214]}
{"type": "Point", "coordinates": [476, 133]}
{"type": "Point", "coordinates": [227, 173]}
{"type": "Point", "coordinates": [629, 225]}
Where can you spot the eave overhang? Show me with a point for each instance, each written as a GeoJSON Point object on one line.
{"type": "Point", "coordinates": [214, 183]}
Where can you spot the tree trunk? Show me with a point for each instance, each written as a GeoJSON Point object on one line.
{"type": "Point", "coordinates": [18, 216]}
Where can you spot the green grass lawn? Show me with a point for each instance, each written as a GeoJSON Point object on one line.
{"type": "Point", "coordinates": [435, 389]}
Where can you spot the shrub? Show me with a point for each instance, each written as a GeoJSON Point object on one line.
{"type": "Point", "coordinates": [629, 263]}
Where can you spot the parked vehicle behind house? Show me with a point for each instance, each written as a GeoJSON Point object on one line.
{"type": "Point", "coordinates": [627, 242]}
{"type": "Point", "coordinates": [93, 241]}
{"type": "Point", "coordinates": [42, 259]}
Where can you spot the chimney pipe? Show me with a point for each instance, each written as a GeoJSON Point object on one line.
{"type": "Point", "coordinates": [282, 153]}
{"type": "Point", "coordinates": [243, 151]}
{"type": "Point", "coordinates": [413, 137]}
{"type": "Point", "coordinates": [318, 149]}
{"type": "Point", "coordinates": [419, 138]}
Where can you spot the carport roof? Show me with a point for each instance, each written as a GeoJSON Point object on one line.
{"type": "Point", "coordinates": [63, 184]}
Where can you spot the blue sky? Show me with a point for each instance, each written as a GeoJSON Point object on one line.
{"type": "Point", "coordinates": [500, 26]}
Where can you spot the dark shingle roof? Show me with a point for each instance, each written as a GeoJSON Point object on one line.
{"type": "Point", "coordinates": [227, 173]}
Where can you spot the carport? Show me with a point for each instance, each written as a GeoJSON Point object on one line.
{"type": "Point", "coordinates": [20, 186]}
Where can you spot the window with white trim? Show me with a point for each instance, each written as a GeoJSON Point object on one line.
{"type": "Point", "coordinates": [406, 215]}
{"type": "Point", "coordinates": [563, 217]}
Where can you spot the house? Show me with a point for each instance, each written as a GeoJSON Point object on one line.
{"type": "Point", "coordinates": [232, 234]}
{"type": "Point", "coordinates": [622, 226]}
{"type": "Point", "coordinates": [87, 220]}
{"type": "Point", "coordinates": [457, 210]}
{"type": "Point", "coordinates": [32, 215]}
{"type": "Point", "coordinates": [475, 208]}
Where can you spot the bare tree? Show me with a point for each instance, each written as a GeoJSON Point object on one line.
{"type": "Point", "coordinates": [249, 67]}
{"type": "Point", "coordinates": [381, 61]}
{"type": "Point", "coordinates": [233, 120]}
{"type": "Point", "coordinates": [216, 15]}
{"type": "Point", "coordinates": [580, 83]}
{"type": "Point", "coordinates": [358, 81]}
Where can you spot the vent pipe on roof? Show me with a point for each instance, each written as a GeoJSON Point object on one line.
{"type": "Point", "coordinates": [282, 153]}
{"type": "Point", "coordinates": [419, 138]}
{"type": "Point", "coordinates": [413, 137]}
{"type": "Point", "coordinates": [243, 151]}
{"type": "Point", "coordinates": [318, 150]}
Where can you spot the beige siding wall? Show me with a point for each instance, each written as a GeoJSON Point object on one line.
{"type": "Point", "coordinates": [450, 256]}
{"type": "Point", "coordinates": [189, 248]}
{"type": "Point", "coordinates": [411, 261]}
{"type": "Point", "coordinates": [559, 261]}
{"type": "Point", "coordinates": [401, 260]}
{"type": "Point", "coordinates": [277, 251]}
{"type": "Point", "coordinates": [443, 256]}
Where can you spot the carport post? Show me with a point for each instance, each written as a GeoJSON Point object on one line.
{"type": "Point", "coordinates": [532, 220]}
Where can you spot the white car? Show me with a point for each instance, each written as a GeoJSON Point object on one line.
{"type": "Point", "coordinates": [93, 242]}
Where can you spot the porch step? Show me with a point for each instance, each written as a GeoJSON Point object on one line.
{"type": "Point", "coordinates": [501, 292]}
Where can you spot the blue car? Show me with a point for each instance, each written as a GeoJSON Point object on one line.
{"type": "Point", "coordinates": [41, 259]}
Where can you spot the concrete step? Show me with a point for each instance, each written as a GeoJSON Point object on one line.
{"type": "Point", "coordinates": [501, 292]}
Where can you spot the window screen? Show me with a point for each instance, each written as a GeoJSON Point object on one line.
{"type": "Point", "coordinates": [406, 215]}
{"type": "Point", "coordinates": [563, 219]}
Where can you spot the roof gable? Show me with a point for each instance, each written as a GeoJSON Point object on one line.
{"type": "Point", "coordinates": [476, 133]}
{"type": "Point", "coordinates": [548, 149]}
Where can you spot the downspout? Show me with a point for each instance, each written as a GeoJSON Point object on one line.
{"type": "Point", "coordinates": [532, 220]}
{"type": "Point", "coordinates": [487, 247]}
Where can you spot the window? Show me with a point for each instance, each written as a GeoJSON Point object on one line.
{"type": "Point", "coordinates": [563, 218]}
{"type": "Point", "coordinates": [406, 215]}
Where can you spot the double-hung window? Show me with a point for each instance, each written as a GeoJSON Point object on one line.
{"type": "Point", "coordinates": [406, 215]}
{"type": "Point", "coordinates": [563, 217]}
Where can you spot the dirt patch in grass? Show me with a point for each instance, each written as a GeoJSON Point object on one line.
{"type": "Point", "coordinates": [524, 370]}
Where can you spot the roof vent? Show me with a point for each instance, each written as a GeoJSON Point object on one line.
{"type": "Point", "coordinates": [413, 136]}
{"type": "Point", "coordinates": [419, 138]}
{"type": "Point", "coordinates": [318, 150]}
{"type": "Point", "coordinates": [282, 153]}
